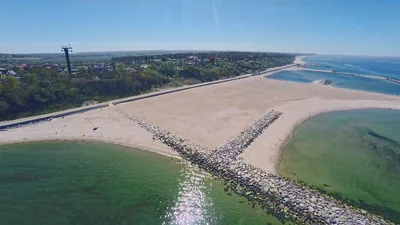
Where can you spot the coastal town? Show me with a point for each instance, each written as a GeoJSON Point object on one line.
{"type": "Point", "coordinates": [17, 65]}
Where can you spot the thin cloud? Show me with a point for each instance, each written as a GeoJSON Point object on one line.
{"type": "Point", "coordinates": [215, 12]}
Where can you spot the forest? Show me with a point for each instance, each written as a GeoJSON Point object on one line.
{"type": "Point", "coordinates": [41, 89]}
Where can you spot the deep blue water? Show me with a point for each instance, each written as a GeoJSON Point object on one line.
{"type": "Point", "coordinates": [388, 67]}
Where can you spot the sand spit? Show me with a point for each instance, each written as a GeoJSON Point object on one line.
{"type": "Point", "coordinates": [265, 152]}
{"type": "Point", "coordinates": [299, 60]}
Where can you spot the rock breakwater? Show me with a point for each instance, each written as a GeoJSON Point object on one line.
{"type": "Point", "coordinates": [284, 198]}
{"type": "Point", "coordinates": [236, 146]}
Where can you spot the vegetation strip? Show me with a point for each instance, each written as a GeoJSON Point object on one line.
{"type": "Point", "coordinates": [286, 199]}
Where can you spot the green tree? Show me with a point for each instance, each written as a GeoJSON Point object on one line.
{"type": "Point", "coordinates": [167, 68]}
{"type": "Point", "coordinates": [73, 94]}
{"type": "Point", "coordinates": [12, 92]}
{"type": "Point", "coordinates": [29, 78]}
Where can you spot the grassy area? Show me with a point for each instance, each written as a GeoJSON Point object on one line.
{"type": "Point", "coordinates": [352, 155]}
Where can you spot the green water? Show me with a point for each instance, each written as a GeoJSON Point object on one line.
{"type": "Point", "coordinates": [353, 155]}
{"type": "Point", "coordinates": [94, 183]}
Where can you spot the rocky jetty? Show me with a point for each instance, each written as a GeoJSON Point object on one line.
{"type": "Point", "coordinates": [233, 148]}
{"type": "Point", "coordinates": [284, 198]}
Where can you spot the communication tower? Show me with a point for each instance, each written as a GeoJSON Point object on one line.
{"type": "Point", "coordinates": [66, 50]}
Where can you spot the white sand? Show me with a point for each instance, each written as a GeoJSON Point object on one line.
{"type": "Point", "coordinates": [113, 128]}
{"type": "Point", "coordinates": [209, 116]}
{"type": "Point", "coordinates": [299, 60]}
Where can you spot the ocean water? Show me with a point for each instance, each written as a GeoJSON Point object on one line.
{"type": "Point", "coordinates": [353, 155]}
{"type": "Point", "coordinates": [94, 183]}
{"type": "Point", "coordinates": [377, 66]}
{"type": "Point", "coordinates": [338, 80]}
{"type": "Point", "coordinates": [384, 67]}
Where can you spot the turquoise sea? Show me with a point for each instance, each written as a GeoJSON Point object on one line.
{"type": "Point", "coordinates": [378, 66]}
{"type": "Point", "coordinates": [95, 183]}
{"type": "Point", "coordinates": [352, 155]}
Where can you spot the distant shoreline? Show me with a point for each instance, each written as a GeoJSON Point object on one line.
{"type": "Point", "coordinates": [299, 60]}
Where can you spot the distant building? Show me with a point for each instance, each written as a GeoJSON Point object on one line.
{"type": "Point", "coordinates": [3, 70]}
{"type": "Point", "coordinates": [83, 67]}
{"type": "Point", "coordinates": [11, 73]}
{"type": "Point", "coordinates": [100, 68]}
{"type": "Point", "coordinates": [25, 66]}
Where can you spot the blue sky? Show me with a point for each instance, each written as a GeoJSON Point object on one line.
{"type": "Point", "coordinates": [365, 27]}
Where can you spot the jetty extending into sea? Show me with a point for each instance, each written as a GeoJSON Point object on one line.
{"type": "Point", "coordinates": [284, 198]}
{"type": "Point", "coordinates": [390, 79]}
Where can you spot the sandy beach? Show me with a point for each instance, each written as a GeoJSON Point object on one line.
{"type": "Point", "coordinates": [299, 60]}
{"type": "Point", "coordinates": [209, 116]}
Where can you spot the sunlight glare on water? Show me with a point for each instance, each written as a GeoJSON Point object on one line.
{"type": "Point", "coordinates": [192, 204]}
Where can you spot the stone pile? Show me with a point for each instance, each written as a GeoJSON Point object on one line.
{"type": "Point", "coordinates": [284, 198]}
{"type": "Point", "coordinates": [236, 146]}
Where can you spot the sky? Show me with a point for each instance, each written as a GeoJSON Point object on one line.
{"type": "Point", "coordinates": [354, 27]}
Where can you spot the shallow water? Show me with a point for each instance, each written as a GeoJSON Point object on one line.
{"type": "Point", "coordinates": [353, 155]}
{"type": "Point", "coordinates": [95, 183]}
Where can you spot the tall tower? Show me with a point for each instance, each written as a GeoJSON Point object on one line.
{"type": "Point", "coordinates": [66, 50]}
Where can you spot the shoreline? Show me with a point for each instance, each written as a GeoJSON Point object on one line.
{"type": "Point", "coordinates": [275, 139]}
{"type": "Point", "coordinates": [302, 120]}
{"type": "Point", "coordinates": [130, 146]}
{"type": "Point", "coordinates": [209, 115]}
{"type": "Point", "coordinates": [299, 60]}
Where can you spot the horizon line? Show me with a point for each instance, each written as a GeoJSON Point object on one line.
{"type": "Point", "coordinates": [193, 50]}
